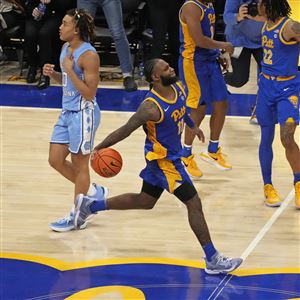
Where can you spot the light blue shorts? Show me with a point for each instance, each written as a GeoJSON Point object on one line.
{"type": "Point", "coordinates": [77, 129]}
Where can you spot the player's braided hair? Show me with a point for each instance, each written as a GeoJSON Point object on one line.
{"type": "Point", "coordinates": [84, 23]}
{"type": "Point", "coordinates": [276, 9]}
{"type": "Point", "coordinates": [148, 69]}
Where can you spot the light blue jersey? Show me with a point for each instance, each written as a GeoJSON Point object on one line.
{"type": "Point", "coordinates": [80, 118]}
{"type": "Point", "coordinates": [72, 100]}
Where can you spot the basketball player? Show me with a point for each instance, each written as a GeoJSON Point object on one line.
{"type": "Point", "coordinates": [200, 71]}
{"type": "Point", "coordinates": [162, 115]}
{"type": "Point", "coordinates": [278, 95]}
{"type": "Point", "coordinates": [75, 129]}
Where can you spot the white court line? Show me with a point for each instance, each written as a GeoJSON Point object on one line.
{"type": "Point", "coordinates": [268, 225]}
{"type": "Point", "coordinates": [258, 237]}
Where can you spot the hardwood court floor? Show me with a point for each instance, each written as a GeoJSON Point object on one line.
{"type": "Point", "coordinates": [33, 195]}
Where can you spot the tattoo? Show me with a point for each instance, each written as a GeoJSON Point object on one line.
{"type": "Point", "coordinates": [287, 132]}
{"type": "Point", "coordinates": [296, 27]}
{"type": "Point", "coordinates": [148, 111]}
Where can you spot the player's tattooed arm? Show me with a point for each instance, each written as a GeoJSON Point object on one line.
{"type": "Point", "coordinates": [296, 30]}
{"type": "Point", "coordinates": [148, 111]}
{"type": "Point", "coordinates": [292, 31]}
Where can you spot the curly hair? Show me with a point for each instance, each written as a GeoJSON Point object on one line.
{"type": "Point", "coordinates": [84, 23]}
{"type": "Point", "coordinates": [276, 9]}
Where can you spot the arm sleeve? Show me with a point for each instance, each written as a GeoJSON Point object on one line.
{"type": "Point", "coordinates": [231, 11]}
{"type": "Point", "coordinates": [188, 121]}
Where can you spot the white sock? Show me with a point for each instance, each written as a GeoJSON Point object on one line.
{"type": "Point", "coordinates": [187, 146]}
{"type": "Point", "coordinates": [92, 190]}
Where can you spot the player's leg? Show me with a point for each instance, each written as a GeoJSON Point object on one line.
{"type": "Point", "coordinates": [215, 262]}
{"type": "Point", "coordinates": [57, 160]}
{"type": "Point", "coordinates": [59, 148]}
{"type": "Point", "coordinates": [146, 199]}
{"type": "Point", "coordinates": [266, 116]}
{"type": "Point", "coordinates": [287, 134]}
{"type": "Point", "coordinates": [80, 133]}
{"type": "Point", "coordinates": [218, 98]}
{"type": "Point", "coordinates": [195, 87]}
{"type": "Point", "coordinates": [288, 117]}
{"type": "Point", "coordinates": [80, 163]}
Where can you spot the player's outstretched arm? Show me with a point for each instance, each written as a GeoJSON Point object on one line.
{"type": "Point", "coordinates": [147, 111]}
{"type": "Point", "coordinates": [292, 31]}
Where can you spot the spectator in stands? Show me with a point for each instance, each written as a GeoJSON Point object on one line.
{"type": "Point", "coordinates": [11, 15]}
{"type": "Point", "coordinates": [242, 31]}
{"type": "Point", "coordinates": [41, 32]}
{"type": "Point", "coordinates": [113, 13]}
{"type": "Point", "coordinates": [164, 19]}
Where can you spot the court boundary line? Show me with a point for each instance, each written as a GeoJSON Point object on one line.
{"type": "Point", "coordinates": [102, 111]}
{"type": "Point", "coordinates": [257, 239]}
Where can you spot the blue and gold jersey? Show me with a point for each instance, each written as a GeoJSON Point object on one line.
{"type": "Point", "coordinates": [188, 49]}
{"type": "Point", "coordinates": [280, 56]}
{"type": "Point", "coordinates": [163, 138]}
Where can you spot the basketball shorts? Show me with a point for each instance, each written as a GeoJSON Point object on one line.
{"type": "Point", "coordinates": [203, 81]}
{"type": "Point", "coordinates": [165, 173]}
{"type": "Point", "coordinates": [278, 101]}
{"type": "Point", "coordinates": [77, 129]}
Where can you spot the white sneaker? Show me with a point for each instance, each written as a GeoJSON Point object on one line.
{"type": "Point", "coordinates": [65, 224]}
{"type": "Point", "coordinates": [221, 264]}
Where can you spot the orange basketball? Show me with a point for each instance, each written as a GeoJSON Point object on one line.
{"type": "Point", "coordinates": [107, 162]}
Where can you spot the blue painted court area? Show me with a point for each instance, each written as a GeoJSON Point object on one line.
{"type": "Point", "coordinates": [28, 279]}
{"type": "Point", "coordinates": [108, 99]}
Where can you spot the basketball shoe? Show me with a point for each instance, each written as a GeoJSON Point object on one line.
{"type": "Point", "coordinates": [297, 194]}
{"type": "Point", "coordinates": [67, 223]}
{"type": "Point", "coordinates": [271, 195]}
{"type": "Point", "coordinates": [82, 210]}
{"type": "Point", "coordinates": [221, 264]}
{"type": "Point", "coordinates": [216, 159]}
{"type": "Point", "coordinates": [191, 166]}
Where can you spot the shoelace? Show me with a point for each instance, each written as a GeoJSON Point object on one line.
{"type": "Point", "coordinates": [223, 259]}
{"type": "Point", "coordinates": [65, 219]}
{"type": "Point", "coordinates": [271, 191]}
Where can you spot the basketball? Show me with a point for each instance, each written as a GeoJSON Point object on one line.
{"type": "Point", "coordinates": [107, 162]}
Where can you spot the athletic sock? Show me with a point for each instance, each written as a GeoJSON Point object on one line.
{"type": "Point", "coordinates": [209, 251]}
{"type": "Point", "coordinates": [213, 146]}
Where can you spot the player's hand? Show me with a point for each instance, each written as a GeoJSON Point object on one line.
{"type": "Point", "coordinates": [93, 154]}
{"type": "Point", "coordinates": [45, 1]}
{"type": "Point", "coordinates": [225, 61]}
{"type": "Point", "coordinates": [97, 148]}
{"type": "Point", "coordinates": [48, 70]}
{"type": "Point", "coordinates": [68, 62]}
{"type": "Point", "coordinates": [243, 13]}
{"type": "Point", "coordinates": [199, 133]}
{"type": "Point", "coordinates": [228, 48]}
